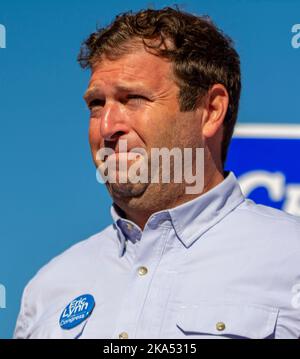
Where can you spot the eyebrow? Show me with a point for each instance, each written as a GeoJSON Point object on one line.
{"type": "Point", "coordinates": [96, 90]}
{"type": "Point", "coordinates": [133, 88]}
{"type": "Point", "coordinates": [90, 93]}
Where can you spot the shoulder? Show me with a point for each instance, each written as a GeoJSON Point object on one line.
{"type": "Point", "coordinates": [267, 227]}
{"type": "Point", "coordinates": [267, 215]}
{"type": "Point", "coordinates": [62, 274]}
{"type": "Point", "coordinates": [82, 254]}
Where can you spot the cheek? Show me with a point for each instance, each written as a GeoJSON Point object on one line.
{"type": "Point", "coordinates": [94, 132]}
{"type": "Point", "coordinates": [156, 128]}
{"type": "Point", "coordinates": [186, 132]}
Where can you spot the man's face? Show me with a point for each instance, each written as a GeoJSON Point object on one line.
{"type": "Point", "coordinates": [135, 98]}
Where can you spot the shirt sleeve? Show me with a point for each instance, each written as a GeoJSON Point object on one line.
{"type": "Point", "coordinates": [24, 320]}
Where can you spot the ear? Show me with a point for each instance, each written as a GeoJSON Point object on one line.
{"type": "Point", "coordinates": [215, 108]}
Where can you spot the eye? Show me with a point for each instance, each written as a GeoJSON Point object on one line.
{"type": "Point", "coordinates": [96, 103]}
{"type": "Point", "coordinates": [136, 98]}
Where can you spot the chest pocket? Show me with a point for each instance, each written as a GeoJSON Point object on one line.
{"type": "Point", "coordinates": [227, 321]}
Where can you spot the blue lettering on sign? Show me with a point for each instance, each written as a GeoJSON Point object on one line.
{"type": "Point", "coordinates": [268, 171]}
{"type": "Point", "coordinates": [77, 311]}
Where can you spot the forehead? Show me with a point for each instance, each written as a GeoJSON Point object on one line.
{"type": "Point", "coordinates": [138, 67]}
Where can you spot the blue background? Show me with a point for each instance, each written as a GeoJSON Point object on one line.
{"type": "Point", "coordinates": [49, 198]}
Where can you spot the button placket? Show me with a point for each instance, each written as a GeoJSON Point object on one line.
{"type": "Point", "coordinates": [147, 258]}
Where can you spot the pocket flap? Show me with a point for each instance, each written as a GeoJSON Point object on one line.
{"type": "Point", "coordinates": [228, 320]}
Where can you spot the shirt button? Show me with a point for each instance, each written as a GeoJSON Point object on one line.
{"type": "Point", "coordinates": [129, 226]}
{"type": "Point", "coordinates": [143, 271]}
{"type": "Point", "coordinates": [220, 326]}
{"type": "Point", "coordinates": [123, 335]}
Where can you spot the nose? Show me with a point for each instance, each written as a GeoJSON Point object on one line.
{"type": "Point", "coordinates": [113, 122]}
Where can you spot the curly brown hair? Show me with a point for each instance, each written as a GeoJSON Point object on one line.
{"type": "Point", "coordinates": [201, 54]}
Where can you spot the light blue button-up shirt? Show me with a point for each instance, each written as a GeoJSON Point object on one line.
{"type": "Point", "coordinates": [218, 266]}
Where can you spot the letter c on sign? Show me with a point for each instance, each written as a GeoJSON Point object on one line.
{"type": "Point", "coordinates": [273, 182]}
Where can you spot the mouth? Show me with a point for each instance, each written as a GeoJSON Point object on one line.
{"type": "Point", "coordinates": [122, 167]}
{"type": "Point", "coordinates": [131, 154]}
{"type": "Point", "coordinates": [121, 162]}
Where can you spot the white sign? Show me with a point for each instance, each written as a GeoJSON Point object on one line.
{"type": "Point", "coordinates": [275, 184]}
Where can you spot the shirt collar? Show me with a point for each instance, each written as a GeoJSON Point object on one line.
{"type": "Point", "coordinates": [126, 229]}
{"type": "Point", "coordinates": [191, 219]}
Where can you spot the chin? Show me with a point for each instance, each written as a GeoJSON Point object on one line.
{"type": "Point", "coordinates": [127, 190]}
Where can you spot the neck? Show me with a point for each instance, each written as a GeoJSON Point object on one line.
{"type": "Point", "coordinates": [139, 211]}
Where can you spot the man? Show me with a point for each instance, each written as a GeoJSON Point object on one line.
{"type": "Point", "coordinates": [206, 264]}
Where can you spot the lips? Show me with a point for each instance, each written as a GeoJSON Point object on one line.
{"type": "Point", "coordinates": [120, 164]}
{"type": "Point", "coordinates": [123, 156]}
{"type": "Point", "coordinates": [131, 154]}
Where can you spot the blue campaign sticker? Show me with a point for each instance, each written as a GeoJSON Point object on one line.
{"type": "Point", "coordinates": [77, 311]}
